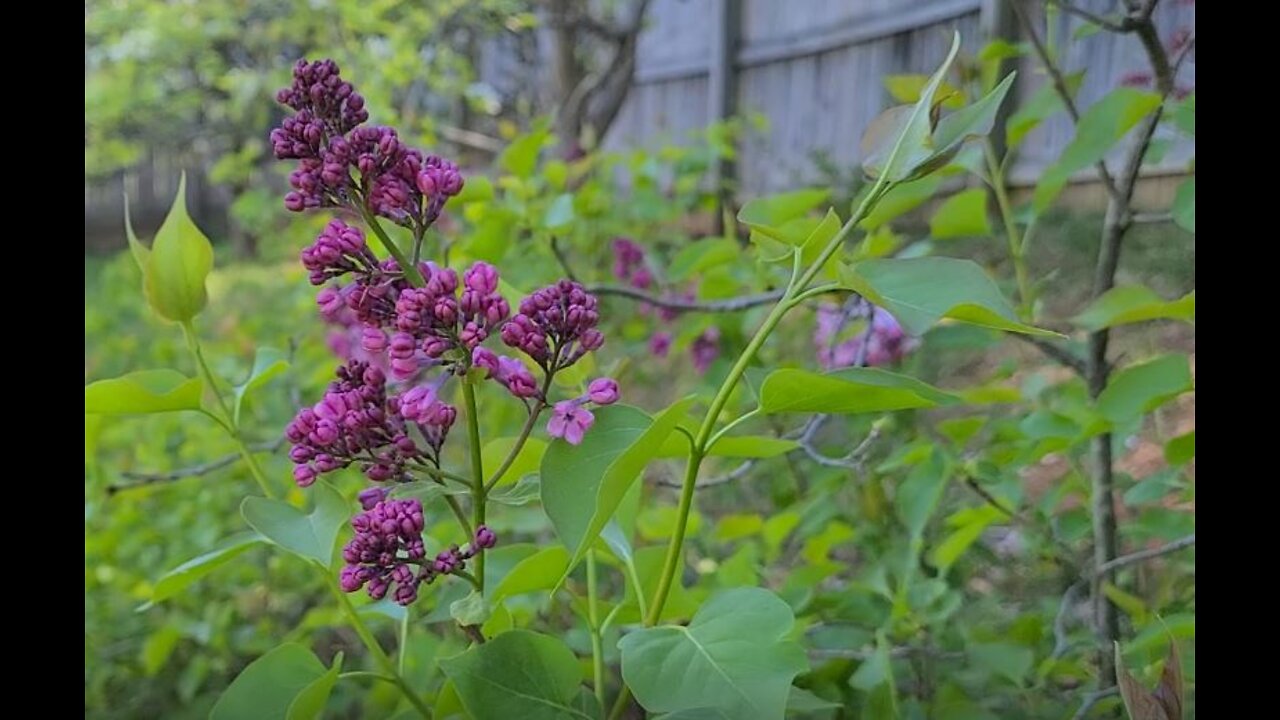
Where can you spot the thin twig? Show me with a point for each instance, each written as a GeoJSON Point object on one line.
{"type": "Point", "coordinates": [1144, 555]}
{"type": "Point", "coordinates": [1121, 26]}
{"type": "Point", "coordinates": [735, 304]}
{"type": "Point", "coordinates": [1059, 85]}
{"type": "Point", "coordinates": [1092, 699]}
{"type": "Point", "coordinates": [1061, 642]}
{"type": "Point", "coordinates": [1055, 351]}
{"type": "Point", "coordinates": [142, 479]}
{"type": "Point", "coordinates": [561, 258]}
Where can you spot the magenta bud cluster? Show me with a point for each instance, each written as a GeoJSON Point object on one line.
{"type": "Point", "coordinates": [342, 162]}
{"type": "Point", "coordinates": [555, 326]}
{"type": "Point", "coordinates": [388, 554]}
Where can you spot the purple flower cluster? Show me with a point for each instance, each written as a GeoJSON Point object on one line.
{"type": "Point", "coordinates": [341, 162]}
{"type": "Point", "coordinates": [629, 265]}
{"type": "Point", "coordinates": [884, 339]}
{"type": "Point", "coordinates": [556, 326]}
{"type": "Point", "coordinates": [357, 423]}
{"type": "Point", "coordinates": [388, 554]}
{"type": "Point", "coordinates": [402, 340]}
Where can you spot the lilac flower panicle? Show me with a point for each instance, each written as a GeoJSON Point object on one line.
{"type": "Point", "coordinates": [555, 326]}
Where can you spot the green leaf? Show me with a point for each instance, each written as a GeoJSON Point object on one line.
{"type": "Point", "coordinates": [702, 255]}
{"type": "Point", "coordinates": [1009, 661]}
{"type": "Point", "coordinates": [267, 688]}
{"type": "Point", "coordinates": [962, 215]}
{"type": "Point", "coordinates": [520, 158]}
{"type": "Point", "coordinates": [906, 89]}
{"type": "Point", "coordinates": [309, 704]}
{"type": "Point", "coordinates": [769, 215]}
{"type": "Point", "coordinates": [1184, 205]}
{"type": "Point", "coordinates": [267, 363]}
{"type": "Point", "coordinates": [732, 657]}
{"type": "Point", "coordinates": [180, 260]}
{"type": "Point", "coordinates": [560, 214]}
{"type": "Point", "coordinates": [145, 391]}
{"type": "Point", "coordinates": [969, 524]}
{"type": "Point", "coordinates": [1100, 127]}
{"type": "Point", "coordinates": [540, 571]}
{"type": "Point", "coordinates": [921, 291]}
{"type": "Point", "coordinates": [1132, 304]}
{"type": "Point", "coordinates": [851, 390]}
{"type": "Point", "coordinates": [1042, 105]}
{"type": "Point", "coordinates": [427, 491]}
{"type": "Point", "coordinates": [900, 140]}
{"type": "Point", "coordinates": [474, 609]}
{"type": "Point", "coordinates": [181, 577]}
{"type": "Point", "coordinates": [874, 671]}
{"type": "Point", "coordinates": [528, 489]}
{"type": "Point", "coordinates": [158, 648]}
{"type": "Point", "coordinates": [973, 121]}
{"type": "Point", "coordinates": [311, 535]}
{"type": "Point", "coordinates": [1181, 449]}
{"type": "Point", "coordinates": [477, 188]}
{"type": "Point", "coordinates": [918, 495]}
{"type": "Point", "coordinates": [900, 200]}
{"type": "Point", "coordinates": [1141, 388]}
{"type": "Point", "coordinates": [530, 457]}
{"type": "Point", "coordinates": [801, 701]}
{"type": "Point", "coordinates": [518, 674]}
{"type": "Point", "coordinates": [736, 446]}
{"type": "Point", "coordinates": [141, 253]}
{"type": "Point", "coordinates": [583, 484]}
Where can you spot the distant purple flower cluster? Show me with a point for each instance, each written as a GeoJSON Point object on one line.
{"type": "Point", "coordinates": [341, 162]}
{"type": "Point", "coordinates": [405, 336]}
{"type": "Point", "coordinates": [884, 339]}
{"type": "Point", "coordinates": [388, 554]}
{"type": "Point", "coordinates": [630, 267]}
{"type": "Point", "coordinates": [628, 264]}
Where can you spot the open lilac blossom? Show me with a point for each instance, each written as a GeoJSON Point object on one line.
{"type": "Point", "coordinates": [570, 421]}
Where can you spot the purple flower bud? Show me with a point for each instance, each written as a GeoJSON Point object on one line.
{"type": "Point", "coordinates": [603, 391]}
{"type": "Point", "coordinates": [304, 475]}
{"type": "Point", "coordinates": [484, 538]}
{"type": "Point", "coordinates": [370, 497]}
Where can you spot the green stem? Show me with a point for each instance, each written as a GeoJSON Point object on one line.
{"type": "Point", "coordinates": [702, 439]}
{"type": "Point", "coordinates": [597, 639]}
{"type": "Point", "coordinates": [477, 473]}
{"type": "Point", "coordinates": [534, 413]}
{"type": "Point", "coordinates": [227, 421]}
{"type": "Point", "coordinates": [1016, 247]}
{"type": "Point", "coordinates": [407, 266]}
{"type": "Point", "coordinates": [379, 655]}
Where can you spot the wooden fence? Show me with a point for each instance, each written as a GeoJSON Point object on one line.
{"type": "Point", "coordinates": [813, 68]}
